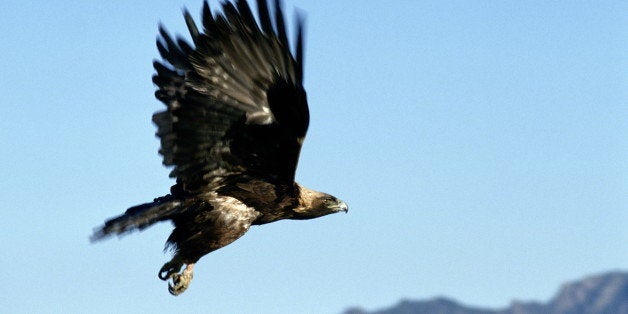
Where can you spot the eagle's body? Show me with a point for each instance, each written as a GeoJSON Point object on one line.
{"type": "Point", "coordinates": [236, 117]}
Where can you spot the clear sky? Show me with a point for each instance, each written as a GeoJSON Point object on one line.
{"type": "Point", "coordinates": [481, 146]}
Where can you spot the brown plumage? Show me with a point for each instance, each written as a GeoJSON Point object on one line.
{"type": "Point", "coordinates": [236, 116]}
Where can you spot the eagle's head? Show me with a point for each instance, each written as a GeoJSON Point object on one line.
{"type": "Point", "coordinates": [313, 204]}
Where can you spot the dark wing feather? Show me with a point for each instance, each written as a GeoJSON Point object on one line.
{"type": "Point", "coordinates": [235, 101]}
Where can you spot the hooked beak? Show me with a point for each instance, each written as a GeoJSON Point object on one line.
{"type": "Point", "coordinates": [342, 206]}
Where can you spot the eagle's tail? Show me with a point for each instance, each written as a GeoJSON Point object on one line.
{"type": "Point", "coordinates": [138, 217]}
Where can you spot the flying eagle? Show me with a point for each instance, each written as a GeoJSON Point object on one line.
{"type": "Point", "coordinates": [235, 119]}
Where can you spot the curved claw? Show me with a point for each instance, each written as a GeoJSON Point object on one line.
{"type": "Point", "coordinates": [169, 270]}
{"type": "Point", "coordinates": [181, 283]}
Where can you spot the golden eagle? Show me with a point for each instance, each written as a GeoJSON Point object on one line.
{"type": "Point", "coordinates": [235, 119]}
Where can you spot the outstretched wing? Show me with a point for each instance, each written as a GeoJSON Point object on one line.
{"type": "Point", "coordinates": [235, 100]}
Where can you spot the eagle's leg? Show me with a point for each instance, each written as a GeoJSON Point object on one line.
{"type": "Point", "coordinates": [180, 280]}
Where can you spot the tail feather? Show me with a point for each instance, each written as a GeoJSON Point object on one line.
{"type": "Point", "coordinates": [138, 217]}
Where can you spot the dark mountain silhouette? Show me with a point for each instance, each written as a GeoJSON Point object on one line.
{"type": "Point", "coordinates": [600, 294]}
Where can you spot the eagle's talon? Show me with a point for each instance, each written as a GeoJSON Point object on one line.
{"type": "Point", "coordinates": [181, 281]}
{"type": "Point", "coordinates": [179, 285]}
{"type": "Point", "coordinates": [169, 270]}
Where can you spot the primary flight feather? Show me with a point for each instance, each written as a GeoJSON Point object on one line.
{"type": "Point", "coordinates": [235, 119]}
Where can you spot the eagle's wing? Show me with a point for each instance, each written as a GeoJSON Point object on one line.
{"type": "Point", "coordinates": [235, 101]}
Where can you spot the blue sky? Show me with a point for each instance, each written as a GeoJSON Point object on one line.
{"type": "Point", "coordinates": [480, 145]}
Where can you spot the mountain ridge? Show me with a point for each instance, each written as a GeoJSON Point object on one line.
{"type": "Point", "coordinates": [605, 293]}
